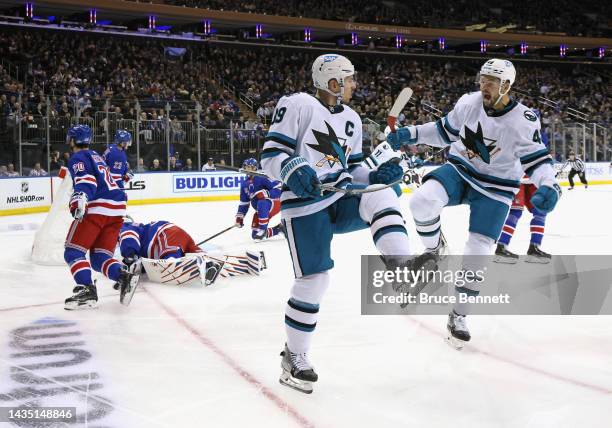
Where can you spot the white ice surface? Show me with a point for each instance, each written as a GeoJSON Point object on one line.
{"type": "Point", "coordinates": [209, 357]}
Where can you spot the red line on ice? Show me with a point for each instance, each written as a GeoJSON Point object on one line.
{"type": "Point", "coordinates": [545, 373]}
{"type": "Point", "coordinates": [243, 373]}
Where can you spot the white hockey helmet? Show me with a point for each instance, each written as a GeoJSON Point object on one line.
{"type": "Point", "coordinates": [500, 68]}
{"type": "Point", "coordinates": [331, 66]}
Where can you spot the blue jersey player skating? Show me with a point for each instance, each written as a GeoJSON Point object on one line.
{"type": "Point", "coordinates": [116, 158]}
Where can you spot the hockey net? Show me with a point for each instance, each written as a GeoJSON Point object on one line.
{"type": "Point", "coordinates": [48, 246]}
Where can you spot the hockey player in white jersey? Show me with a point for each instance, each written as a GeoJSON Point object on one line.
{"type": "Point", "coordinates": [314, 140]}
{"type": "Point", "coordinates": [493, 141]}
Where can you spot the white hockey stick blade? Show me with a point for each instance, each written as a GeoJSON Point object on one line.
{"type": "Point", "coordinates": [399, 104]}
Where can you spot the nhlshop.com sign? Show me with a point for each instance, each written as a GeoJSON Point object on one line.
{"type": "Point", "coordinates": [207, 182]}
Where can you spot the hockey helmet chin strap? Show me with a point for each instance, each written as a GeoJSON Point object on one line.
{"type": "Point", "coordinates": [499, 91]}
{"type": "Point", "coordinates": [338, 95]}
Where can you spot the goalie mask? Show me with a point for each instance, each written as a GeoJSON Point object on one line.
{"type": "Point", "coordinates": [331, 66]}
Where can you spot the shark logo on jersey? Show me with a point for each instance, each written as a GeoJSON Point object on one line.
{"type": "Point", "coordinates": [330, 146]}
{"type": "Point", "coordinates": [478, 145]}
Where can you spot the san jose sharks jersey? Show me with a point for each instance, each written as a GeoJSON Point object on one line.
{"type": "Point", "coordinates": [491, 150]}
{"type": "Point", "coordinates": [329, 138]}
{"type": "Point", "coordinates": [155, 240]}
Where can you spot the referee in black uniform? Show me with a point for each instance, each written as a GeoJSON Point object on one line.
{"type": "Point", "coordinates": [577, 168]}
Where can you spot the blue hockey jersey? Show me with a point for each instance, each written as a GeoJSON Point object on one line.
{"type": "Point", "coordinates": [91, 175]}
{"type": "Point", "coordinates": [116, 159]}
{"type": "Point", "coordinates": [155, 240]}
{"type": "Point", "coordinates": [256, 188]}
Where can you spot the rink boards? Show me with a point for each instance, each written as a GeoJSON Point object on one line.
{"type": "Point", "coordinates": [23, 195]}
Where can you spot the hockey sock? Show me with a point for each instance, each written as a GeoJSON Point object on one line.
{"type": "Point", "coordinates": [426, 205]}
{"type": "Point", "coordinates": [476, 256]}
{"type": "Point", "coordinates": [102, 261]}
{"type": "Point", "coordinates": [537, 228]}
{"type": "Point", "coordinates": [510, 226]}
{"type": "Point", "coordinates": [302, 310]}
{"type": "Point", "coordinates": [389, 233]}
{"type": "Point", "coordinates": [81, 271]}
{"type": "Point", "coordinates": [79, 265]}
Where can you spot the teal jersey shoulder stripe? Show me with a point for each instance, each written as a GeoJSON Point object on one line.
{"type": "Point", "coordinates": [282, 137]}
{"type": "Point", "coordinates": [533, 156]}
{"type": "Point", "coordinates": [449, 128]}
{"type": "Point", "coordinates": [442, 132]}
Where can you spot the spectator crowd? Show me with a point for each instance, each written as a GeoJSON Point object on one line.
{"type": "Point", "coordinates": [79, 75]}
{"type": "Point", "coordinates": [573, 17]}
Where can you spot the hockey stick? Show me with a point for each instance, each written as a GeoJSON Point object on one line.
{"type": "Point", "coordinates": [399, 104]}
{"type": "Point", "coordinates": [326, 187]}
{"type": "Point", "coordinates": [216, 234]}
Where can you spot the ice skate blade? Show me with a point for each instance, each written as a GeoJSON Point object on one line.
{"type": "Point", "coordinates": [299, 385]}
{"type": "Point", "coordinates": [126, 298]}
{"type": "Point", "coordinates": [540, 260]}
{"type": "Point", "coordinates": [455, 343]}
{"type": "Point", "coordinates": [505, 260]}
{"type": "Point", "coordinates": [73, 306]}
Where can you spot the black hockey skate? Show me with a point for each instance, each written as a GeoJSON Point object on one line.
{"type": "Point", "coordinates": [84, 297]}
{"type": "Point", "coordinates": [458, 333]}
{"type": "Point", "coordinates": [427, 262]}
{"type": "Point", "coordinates": [297, 372]}
{"type": "Point", "coordinates": [213, 269]}
{"type": "Point", "coordinates": [503, 255]}
{"type": "Point", "coordinates": [128, 282]}
{"type": "Point", "coordinates": [535, 255]}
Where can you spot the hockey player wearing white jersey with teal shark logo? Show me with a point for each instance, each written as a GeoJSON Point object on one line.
{"type": "Point", "coordinates": [314, 140]}
{"type": "Point", "coordinates": [494, 140]}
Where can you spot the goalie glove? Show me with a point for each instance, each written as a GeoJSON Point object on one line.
{"type": "Point", "coordinates": [128, 176]}
{"type": "Point", "coordinates": [78, 205]}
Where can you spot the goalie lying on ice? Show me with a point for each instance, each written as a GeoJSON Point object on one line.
{"type": "Point", "coordinates": [170, 256]}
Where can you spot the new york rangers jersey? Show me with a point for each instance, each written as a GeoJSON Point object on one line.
{"type": "Point", "coordinates": [491, 150]}
{"type": "Point", "coordinates": [91, 175]}
{"type": "Point", "coordinates": [329, 138]}
{"type": "Point", "coordinates": [116, 159]}
{"type": "Point", "coordinates": [155, 240]}
{"type": "Point", "coordinates": [256, 188]}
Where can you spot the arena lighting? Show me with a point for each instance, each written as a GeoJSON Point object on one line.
{"type": "Point", "coordinates": [399, 41]}
{"type": "Point", "coordinates": [151, 22]}
{"type": "Point", "coordinates": [29, 10]}
{"type": "Point", "coordinates": [207, 27]}
{"type": "Point", "coordinates": [258, 30]}
{"type": "Point", "coordinates": [307, 35]}
{"type": "Point", "coordinates": [562, 50]}
{"type": "Point", "coordinates": [602, 52]}
{"type": "Point", "coordinates": [523, 48]}
{"type": "Point", "coordinates": [354, 39]}
{"type": "Point", "coordinates": [93, 19]}
{"type": "Point", "coordinates": [483, 46]}
{"type": "Point", "coordinates": [441, 43]}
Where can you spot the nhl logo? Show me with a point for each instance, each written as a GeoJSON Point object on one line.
{"type": "Point", "coordinates": [25, 187]}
